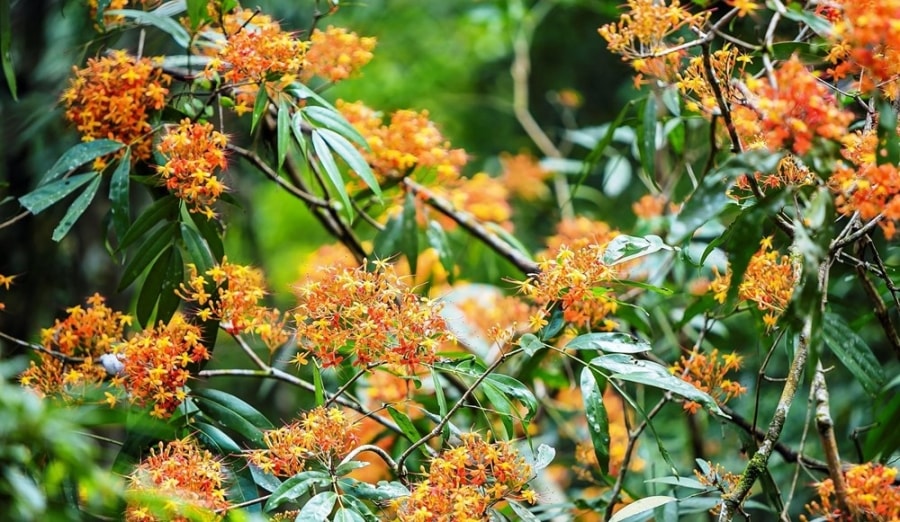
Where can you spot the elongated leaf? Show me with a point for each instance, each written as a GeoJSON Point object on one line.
{"type": "Point", "coordinates": [405, 424]}
{"type": "Point", "coordinates": [352, 157]}
{"type": "Point", "coordinates": [283, 128]}
{"type": "Point", "coordinates": [168, 299]}
{"type": "Point", "coordinates": [553, 326]}
{"type": "Point", "coordinates": [297, 126]}
{"type": "Point", "coordinates": [347, 515]}
{"type": "Point", "coordinates": [627, 368]}
{"type": "Point", "coordinates": [297, 486]}
{"type": "Point", "coordinates": [9, 71]}
{"type": "Point", "coordinates": [437, 239]}
{"type": "Point", "coordinates": [152, 287]}
{"type": "Point", "coordinates": [853, 352]}
{"type": "Point", "coordinates": [149, 251]}
{"type": "Point", "coordinates": [79, 155]}
{"type": "Point", "coordinates": [332, 174]}
{"type": "Point", "coordinates": [302, 92]}
{"type": "Point", "coordinates": [819, 25]}
{"type": "Point", "coordinates": [318, 508]}
{"type": "Point", "coordinates": [120, 205]}
{"type": "Point", "coordinates": [641, 506]}
{"type": "Point", "coordinates": [197, 248]}
{"type": "Point", "coordinates": [502, 406]}
{"type": "Point", "coordinates": [260, 106]}
{"type": "Point", "coordinates": [236, 404]}
{"type": "Point", "coordinates": [516, 390]}
{"type": "Point", "coordinates": [242, 489]}
{"type": "Point", "coordinates": [45, 196]}
{"type": "Point", "coordinates": [266, 481]}
{"type": "Point", "coordinates": [210, 233]}
{"type": "Point", "coordinates": [380, 492]}
{"type": "Point", "coordinates": [335, 121]}
{"type": "Point", "coordinates": [888, 140]}
{"type": "Point", "coordinates": [231, 420]}
{"type": "Point", "coordinates": [597, 420]}
{"type": "Point", "coordinates": [441, 400]}
{"type": "Point", "coordinates": [319, 386]}
{"type": "Point", "coordinates": [610, 342]}
{"type": "Point", "coordinates": [216, 438]}
{"type": "Point", "coordinates": [162, 209]}
{"type": "Point", "coordinates": [646, 286]}
{"type": "Point", "coordinates": [77, 208]}
{"type": "Point", "coordinates": [163, 23]}
{"type": "Point", "coordinates": [388, 240]}
{"type": "Point", "coordinates": [196, 10]}
{"type": "Point", "coordinates": [409, 239]}
{"type": "Point", "coordinates": [626, 248]}
{"type": "Point", "coordinates": [522, 512]}
{"type": "Point", "coordinates": [648, 138]}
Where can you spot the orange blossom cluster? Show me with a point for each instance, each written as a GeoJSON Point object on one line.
{"type": "Point", "coordinates": [372, 315]}
{"type": "Point", "coordinates": [645, 26]}
{"type": "Point", "coordinates": [465, 481]}
{"type": "Point", "coordinates": [322, 434]}
{"type": "Point", "coordinates": [335, 54]}
{"type": "Point", "coordinates": [864, 186]}
{"type": "Point", "coordinates": [5, 281]}
{"type": "Point", "coordinates": [410, 140]}
{"type": "Point", "coordinates": [189, 482]}
{"type": "Point", "coordinates": [156, 365]}
{"type": "Point", "coordinates": [768, 282]}
{"type": "Point", "coordinates": [86, 334]}
{"type": "Point", "coordinates": [708, 373]}
{"type": "Point", "coordinates": [111, 98]}
{"type": "Point", "coordinates": [577, 233]}
{"type": "Point", "coordinates": [789, 172]}
{"type": "Point", "coordinates": [483, 196]}
{"type": "Point", "coordinates": [193, 152]}
{"type": "Point", "coordinates": [872, 495]}
{"type": "Point", "coordinates": [866, 43]}
{"type": "Point", "coordinates": [695, 85]}
{"type": "Point", "coordinates": [649, 206]}
{"type": "Point", "coordinates": [524, 177]}
{"type": "Point", "coordinates": [235, 301]}
{"type": "Point", "coordinates": [792, 112]}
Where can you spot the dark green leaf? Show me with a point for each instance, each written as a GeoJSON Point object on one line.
{"type": "Point", "coordinates": [884, 439]}
{"type": "Point", "coordinates": [648, 138]}
{"type": "Point", "coordinates": [163, 23]}
{"type": "Point", "coordinates": [597, 420]}
{"type": "Point", "coordinates": [197, 248]}
{"type": "Point", "coordinates": [317, 382]}
{"type": "Point", "coordinates": [318, 508]}
{"type": "Point", "coordinates": [156, 242]}
{"type": "Point", "coordinates": [437, 239]}
{"type": "Point", "coordinates": [502, 406]}
{"type": "Point", "coordinates": [45, 196]}
{"type": "Point", "coordinates": [210, 233]}
{"type": "Point", "coordinates": [9, 72]}
{"type": "Point", "coordinates": [163, 209]}
{"type": "Point", "coordinates": [352, 157]}
{"type": "Point", "coordinates": [600, 147]}
{"type": "Point", "coordinates": [168, 299]}
{"type": "Point", "coordinates": [283, 131]}
{"type": "Point", "coordinates": [243, 490]}
{"type": "Point", "coordinates": [297, 486]}
{"type": "Point", "coordinates": [888, 140]}
{"type": "Point", "coordinates": [266, 481]}
{"type": "Point", "coordinates": [554, 326]}
{"type": "Point", "coordinates": [150, 291]}
{"type": "Point", "coordinates": [610, 342]}
{"type": "Point", "coordinates": [441, 400]}
{"type": "Point", "coordinates": [260, 106]}
{"type": "Point", "coordinates": [332, 174]}
{"type": "Point", "coordinates": [409, 239]}
{"type": "Point", "coordinates": [120, 206]}
{"type": "Point", "coordinates": [388, 240]}
{"type": "Point", "coordinates": [197, 13]}
{"type": "Point", "coordinates": [79, 155]}
{"type": "Point", "coordinates": [516, 390]}
{"type": "Point", "coordinates": [853, 352]}
{"type": "Point", "coordinates": [380, 492]}
{"type": "Point", "coordinates": [236, 404]}
{"type": "Point", "coordinates": [335, 121]}
{"type": "Point", "coordinates": [819, 25]}
{"type": "Point", "coordinates": [627, 368]}
{"type": "Point", "coordinates": [77, 208]}
{"type": "Point", "coordinates": [216, 439]}
{"type": "Point", "coordinates": [405, 425]}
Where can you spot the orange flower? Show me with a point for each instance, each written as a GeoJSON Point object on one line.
{"type": "Point", "coordinates": [524, 176]}
{"type": "Point", "coordinates": [707, 373]}
{"type": "Point", "coordinates": [322, 434]}
{"type": "Point", "coordinates": [646, 25]}
{"type": "Point", "coordinates": [87, 334]}
{"type": "Point", "coordinates": [5, 281]}
{"type": "Point", "coordinates": [577, 233]}
{"type": "Point", "coordinates": [649, 206]}
{"type": "Point", "coordinates": [872, 494]}
{"type": "Point", "coordinates": [156, 365]}
{"type": "Point", "coordinates": [112, 97]}
{"type": "Point", "coordinates": [335, 54]}
{"type": "Point", "coordinates": [370, 315]}
{"type": "Point", "coordinates": [464, 481]}
{"type": "Point", "coordinates": [189, 479]}
{"type": "Point", "coordinates": [193, 152]}
{"type": "Point", "coordinates": [866, 43]}
{"type": "Point", "coordinates": [789, 172]}
{"type": "Point", "coordinates": [482, 196]}
{"type": "Point", "coordinates": [694, 83]}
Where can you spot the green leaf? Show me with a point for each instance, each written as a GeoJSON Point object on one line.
{"type": "Point", "coordinates": [197, 249]}
{"type": "Point", "coordinates": [297, 124]}
{"type": "Point", "coordinates": [154, 245]}
{"type": "Point", "coordinates": [347, 515]}
{"type": "Point", "coordinates": [597, 420]}
{"type": "Point", "coordinates": [233, 413]}
{"type": "Point", "coordinates": [441, 400]}
{"type": "Point", "coordinates": [168, 299]}
{"type": "Point", "coordinates": [318, 508]}
{"type": "Point", "coordinates": [405, 425]}
{"type": "Point", "coordinates": [853, 352]}
{"type": "Point", "coordinates": [522, 511]}
{"type": "Point", "coordinates": [819, 25]}
{"type": "Point", "coordinates": [626, 248]}
{"type": "Point", "coordinates": [531, 344]}
{"type": "Point", "coordinates": [641, 506]}
{"type": "Point", "coordinates": [627, 368]}
{"type": "Point", "coordinates": [283, 131]}
{"type": "Point", "coordinates": [381, 492]}
{"type": "Point", "coordinates": [409, 239]}
{"type": "Point", "coordinates": [266, 481]}
{"type": "Point", "coordinates": [317, 382]}
{"type": "Point", "coordinates": [554, 326]}
{"type": "Point", "coordinates": [600, 147]}
{"type": "Point", "coordinates": [216, 439]}
{"type": "Point", "coordinates": [888, 140]}
{"type": "Point", "coordinates": [151, 289]}
{"type": "Point", "coordinates": [335, 121]}
{"type": "Point", "coordinates": [163, 23]}
{"type": "Point", "coordinates": [210, 233]}
{"type": "Point", "coordinates": [297, 486]}
{"type": "Point", "coordinates": [326, 160]}
{"type": "Point", "coordinates": [437, 239]}
{"type": "Point", "coordinates": [502, 406]}
{"type": "Point", "coordinates": [646, 286]}
{"type": "Point", "coordinates": [120, 205]}
{"type": "Point", "coordinates": [352, 157]}
{"type": "Point", "coordinates": [545, 455]}
{"type": "Point", "coordinates": [75, 211]}
{"type": "Point", "coordinates": [302, 92]}
{"type": "Point", "coordinates": [515, 389]}
{"type": "Point", "coordinates": [79, 155]}
{"type": "Point", "coordinates": [259, 106]}
{"type": "Point", "coordinates": [648, 138]}
{"type": "Point", "coordinates": [388, 240]}
{"type": "Point", "coordinates": [237, 405]}
{"type": "Point", "coordinates": [163, 209]}
{"type": "Point", "coordinates": [197, 14]}
{"type": "Point", "coordinates": [610, 342]}
{"type": "Point", "coordinates": [45, 196]}
{"type": "Point", "coordinates": [9, 71]}
{"type": "Point", "coordinates": [682, 482]}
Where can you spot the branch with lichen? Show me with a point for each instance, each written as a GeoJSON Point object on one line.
{"type": "Point", "coordinates": [825, 427]}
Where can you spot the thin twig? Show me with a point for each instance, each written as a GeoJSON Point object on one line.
{"type": "Point", "coordinates": [38, 348]}
{"type": "Point", "coordinates": [385, 456]}
{"type": "Point", "coordinates": [825, 427]}
{"type": "Point", "coordinates": [264, 167]}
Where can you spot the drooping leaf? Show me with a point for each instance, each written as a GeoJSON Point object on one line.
{"type": "Point", "coordinates": [210, 233]}
{"type": "Point", "coordinates": [156, 242]}
{"type": "Point", "coordinates": [335, 121]}
{"type": "Point", "coordinates": [80, 155]}
{"type": "Point", "coordinates": [283, 131]}
{"type": "Point", "coordinates": [260, 107]}
{"type": "Point", "coordinates": [888, 140]}
{"type": "Point", "coordinates": [648, 138]}
{"type": "Point", "coordinates": [553, 326]}
{"type": "Point", "coordinates": [197, 248]}
{"type": "Point", "coordinates": [626, 248]}
{"type": "Point", "coordinates": [168, 299]}
{"type": "Point", "coordinates": [233, 413]}
{"type": "Point", "coordinates": [380, 492]}
{"type": "Point", "coordinates": [332, 174]}
{"type": "Point", "coordinates": [437, 239]}
{"type": "Point", "coordinates": [853, 352]}
{"type": "Point", "coordinates": [515, 389]}
{"type": "Point", "coordinates": [45, 196]}
{"type": "Point", "coordinates": [9, 71]}
{"type": "Point", "coordinates": [819, 25]}
{"type": "Point", "coordinates": [151, 289]}
{"type": "Point", "coordinates": [597, 419]}
{"type": "Point", "coordinates": [319, 385]}
{"type": "Point", "coordinates": [266, 481]}
{"type": "Point", "coordinates": [163, 23]}
{"type": "Point", "coordinates": [610, 342]}
{"type": "Point", "coordinates": [531, 344]}
{"type": "Point", "coordinates": [406, 425]}
{"type": "Point", "coordinates": [77, 208]}
{"type": "Point", "coordinates": [500, 405]}
{"type": "Point", "coordinates": [197, 13]}
{"type": "Point", "coordinates": [120, 205]}
{"type": "Point", "coordinates": [641, 506]}
{"type": "Point", "coordinates": [352, 157]}
{"type": "Point", "coordinates": [409, 238]}
{"type": "Point", "coordinates": [217, 439]}
{"type": "Point", "coordinates": [163, 209]}
{"type": "Point", "coordinates": [522, 512]}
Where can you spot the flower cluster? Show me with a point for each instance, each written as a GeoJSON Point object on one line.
{"type": "Point", "coordinates": [792, 112]}
{"type": "Point", "coordinates": [872, 494]}
{"type": "Point", "coordinates": [649, 206]}
{"type": "Point", "coordinates": [716, 477]}
{"type": "Point", "coordinates": [864, 186]}
{"type": "Point", "coordinates": [646, 26]}
{"type": "Point", "coordinates": [193, 152]}
{"type": "Point", "coordinates": [156, 365]}
{"type": "Point", "coordinates": [768, 282]}
{"type": "Point", "coordinates": [335, 54]}
{"type": "Point", "coordinates": [465, 481]}
{"type": "Point", "coordinates": [866, 43]}
{"type": "Point", "coordinates": [235, 301]}
{"type": "Point", "coordinates": [789, 172]}
{"type": "Point", "coordinates": [111, 98]}
{"type": "Point", "coordinates": [577, 280]}
{"type": "Point", "coordinates": [409, 141]}
{"type": "Point", "coordinates": [255, 50]}
{"type": "Point", "coordinates": [524, 177]}
{"type": "Point", "coordinates": [322, 434]}
{"type": "Point", "coordinates": [482, 196]}
{"type": "Point", "coordinates": [188, 481]}
{"type": "Point", "coordinates": [5, 281]}
{"type": "Point", "coordinates": [81, 339]}
{"type": "Point", "coordinates": [577, 233]}
{"type": "Point", "coordinates": [372, 315]}
{"type": "Point", "coordinates": [708, 373]}
{"type": "Point", "coordinates": [694, 83]}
